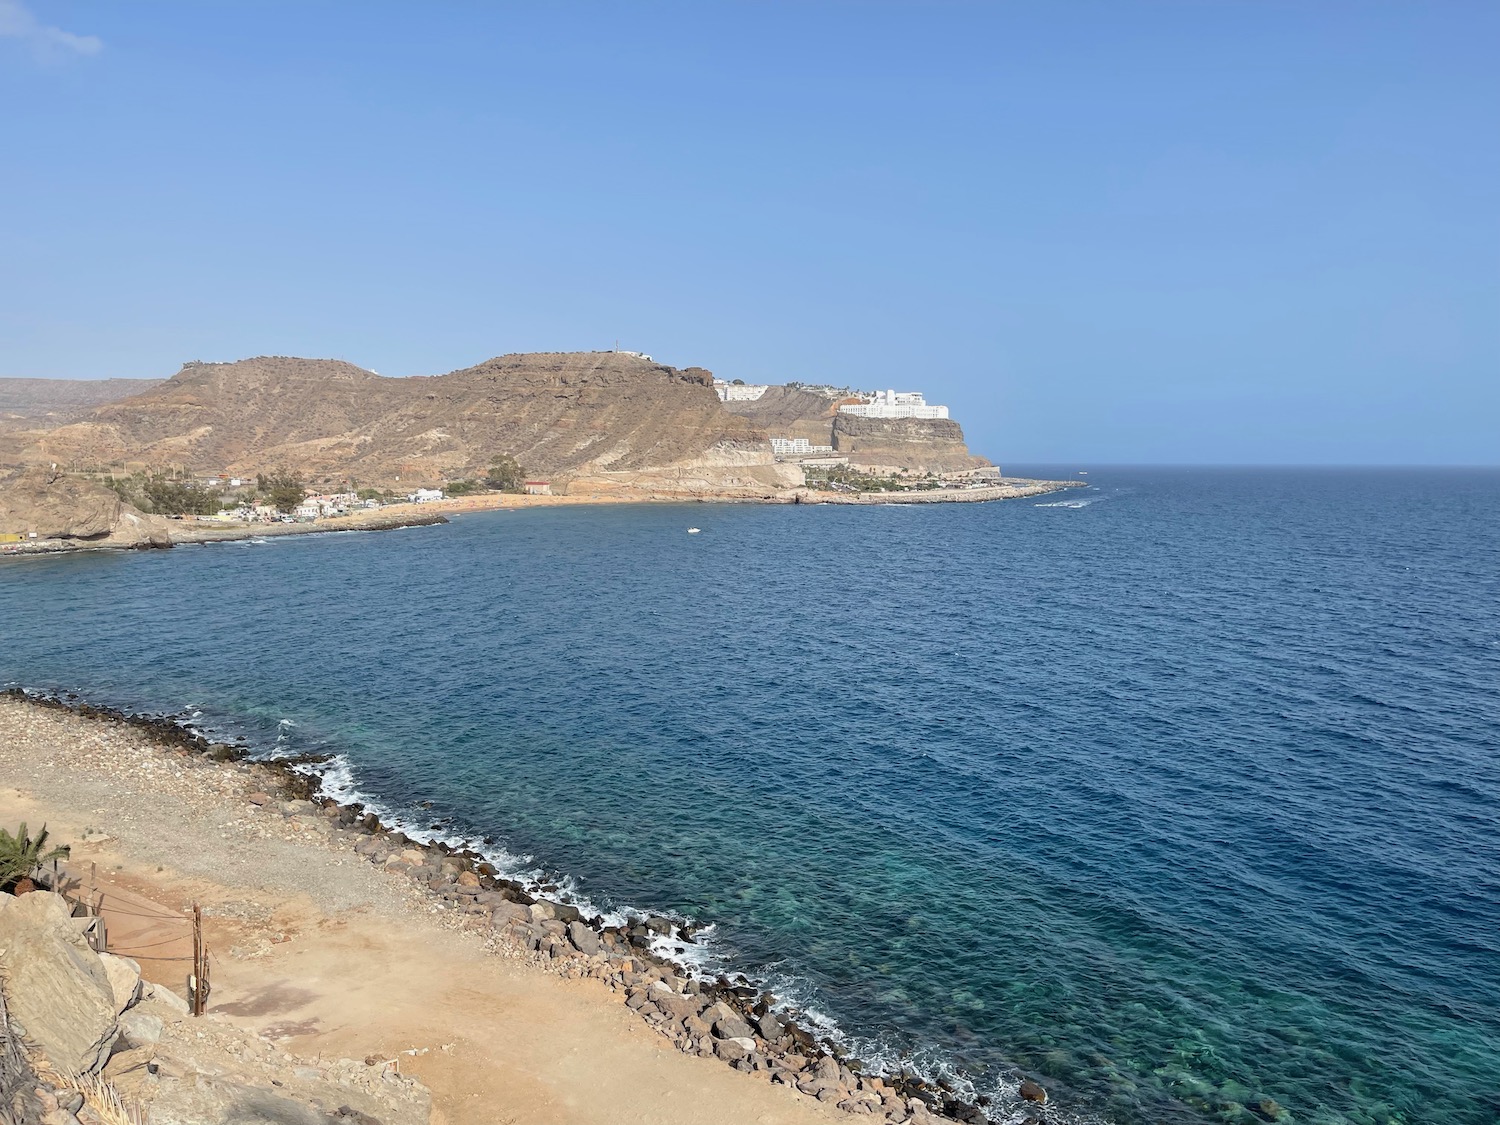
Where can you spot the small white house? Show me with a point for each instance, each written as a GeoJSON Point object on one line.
{"type": "Point", "coordinates": [425, 495]}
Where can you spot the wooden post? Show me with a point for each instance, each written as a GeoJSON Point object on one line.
{"type": "Point", "coordinates": [197, 998]}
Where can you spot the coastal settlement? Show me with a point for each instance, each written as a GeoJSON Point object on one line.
{"type": "Point", "coordinates": [278, 444]}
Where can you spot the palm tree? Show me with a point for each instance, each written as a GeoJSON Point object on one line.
{"type": "Point", "coordinates": [23, 853]}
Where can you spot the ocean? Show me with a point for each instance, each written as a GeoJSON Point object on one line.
{"type": "Point", "coordinates": [1180, 793]}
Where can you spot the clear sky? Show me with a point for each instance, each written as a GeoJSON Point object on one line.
{"type": "Point", "coordinates": [1101, 232]}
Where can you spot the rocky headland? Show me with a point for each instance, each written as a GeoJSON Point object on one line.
{"type": "Point", "coordinates": [593, 426]}
{"type": "Point", "coordinates": [43, 508]}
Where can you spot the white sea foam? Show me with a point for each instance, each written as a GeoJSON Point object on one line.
{"type": "Point", "coordinates": [1070, 503]}
{"type": "Point", "coordinates": [705, 957]}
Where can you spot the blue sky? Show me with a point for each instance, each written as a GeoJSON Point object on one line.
{"type": "Point", "coordinates": [1101, 232]}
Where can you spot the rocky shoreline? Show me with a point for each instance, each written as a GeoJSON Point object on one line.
{"type": "Point", "coordinates": [1013, 490]}
{"type": "Point", "coordinates": [725, 1018]}
{"type": "Point", "coordinates": [180, 534]}
{"type": "Point", "coordinates": [165, 533]}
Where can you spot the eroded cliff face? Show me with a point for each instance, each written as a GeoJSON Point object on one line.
{"type": "Point", "coordinates": [560, 414]}
{"type": "Point", "coordinates": [40, 503]}
{"type": "Point", "coordinates": [790, 412]}
{"type": "Point", "coordinates": [928, 445]}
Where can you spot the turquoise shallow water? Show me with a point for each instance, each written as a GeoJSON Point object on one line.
{"type": "Point", "coordinates": [1178, 793]}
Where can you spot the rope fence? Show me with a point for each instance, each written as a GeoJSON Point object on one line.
{"type": "Point", "coordinates": [90, 904]}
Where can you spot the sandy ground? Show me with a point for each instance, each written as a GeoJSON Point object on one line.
{"type": "Point", "coordinates": [319, 951]}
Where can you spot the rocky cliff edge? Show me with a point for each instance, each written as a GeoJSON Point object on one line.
{"type": "Point", "coordinates": [39, 504]}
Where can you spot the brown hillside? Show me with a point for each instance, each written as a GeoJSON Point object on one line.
{"type": "Point", "coordinates": [789, 412]}
{"type": "Point", "coordinates": [562, 413]}
{"type": "Point", "coordinates": [56, 401]}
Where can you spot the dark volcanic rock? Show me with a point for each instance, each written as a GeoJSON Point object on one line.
{"type": "Point", "coordinates": [1033, 1092]}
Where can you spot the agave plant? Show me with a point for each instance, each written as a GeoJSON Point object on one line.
{"type": "Point", "coordinates": [23, 853]}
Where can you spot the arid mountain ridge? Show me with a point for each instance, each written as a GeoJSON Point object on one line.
{"type": "Point", "coordinates": [605, 418]}
{"type": "Point", "coordinates": [58, 401]}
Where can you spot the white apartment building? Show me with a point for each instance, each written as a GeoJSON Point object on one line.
{"type": "Point", "coordinates": [797, 447]}
{"type": "Point", "coordinates": [896, 404]}
{"type": "Point", "coordinates": [739, 392]}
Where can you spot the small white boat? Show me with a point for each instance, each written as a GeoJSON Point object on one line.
{"type": "Point", "coordinates": [694, 530]}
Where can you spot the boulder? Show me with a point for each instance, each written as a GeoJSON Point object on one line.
{"type": "Point", "coordinates": [129, 1072]}
{"type": "Point", "coordinates": [163, 996]}
{"type": "Point", "coordinates": [1033, 1092]}
{"type": "Point", "coordinates": [507, 912]}
{"type": "Point", "coordinates": [678, 1007]}
{"type": "Point", "coordinates": [733, 1050]}
{"type": "Point", "coordinates": [732, 1027]}
{"type": "Point", "coordinates": [769, 1027]}
{"type": "Point", "coordinates": [56, 985]}
{"type": "Point", "coordinates": [140, 1029]}
{"type": "Point", "coordinates": [124, 979]}
{"type": "Point", "coordinates": [584, 939]}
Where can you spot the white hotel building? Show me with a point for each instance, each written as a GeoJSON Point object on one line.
{"type": "Point", "coordinates": [896, 404]}
{"type": "Point", "coordinates": [797, 447]}
{"type": "Point", "coordinates": [740, 392]}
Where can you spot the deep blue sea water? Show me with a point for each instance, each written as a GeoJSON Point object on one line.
{"type": "Point", "coordinates": [1178, 793]}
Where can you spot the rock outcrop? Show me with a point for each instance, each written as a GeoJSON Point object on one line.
{"type": "Point", "coordinates": [55, 985]}
{"type": "Point", "coordinates": [40, 503]}
{"type": "Point", "coordinates": [79, 1029]}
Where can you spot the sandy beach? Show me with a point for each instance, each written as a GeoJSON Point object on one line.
{"type": "Point", "coordinates": [323, 954]}
{"type": "Point", "coordinates": [410, 515]}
